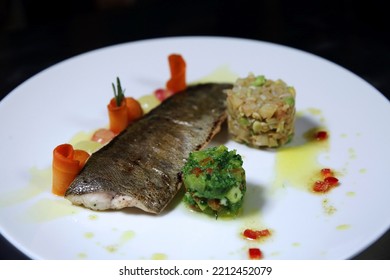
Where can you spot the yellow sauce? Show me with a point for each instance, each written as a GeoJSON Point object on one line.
{"type": "Point", "coordinates": [40, 182]}
{"type": "Point", "coordinates": [148, 102]}
{"type": "Point", "coordinates": [48, 209]}
{"type": "Point", "coordinates": [298, 165]}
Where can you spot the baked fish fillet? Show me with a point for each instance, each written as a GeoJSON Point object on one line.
{"type": "Point", "coordinates": [141, 167]}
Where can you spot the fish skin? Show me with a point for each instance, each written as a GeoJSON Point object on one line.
{"type": "Point", "coordinates": [141, 167]}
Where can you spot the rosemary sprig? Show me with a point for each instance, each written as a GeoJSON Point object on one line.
{"type": "Point", "coordinates": [119, 94]}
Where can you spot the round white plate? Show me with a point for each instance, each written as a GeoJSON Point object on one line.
{"type": "Point", "coordinates": [71, 97]}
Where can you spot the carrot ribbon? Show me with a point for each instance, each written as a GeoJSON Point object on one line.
{"type": "Point", "coordinates": [66, 165]}
{"type": "Point", "coordinates": [177, 67]}
{"type": "Point", "coordinates": [117, 115]}
{"type": "Point", "coordinates": [134, 109]}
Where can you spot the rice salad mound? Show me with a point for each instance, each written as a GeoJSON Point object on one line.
{"type": "Point", "coordinates": [261, 112]}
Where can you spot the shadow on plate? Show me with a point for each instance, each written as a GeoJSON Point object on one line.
{"type": "Point", "coordinates": [254, 200]}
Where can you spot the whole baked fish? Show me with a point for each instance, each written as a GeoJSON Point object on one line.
{"type": "Point", "coordinates": [141, 167]}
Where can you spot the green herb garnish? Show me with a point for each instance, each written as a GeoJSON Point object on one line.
{"type": "Point", "coordinates": [119, 94]}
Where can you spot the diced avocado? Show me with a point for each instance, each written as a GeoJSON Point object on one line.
{"type": "Point", "coordinates": [234, 195]}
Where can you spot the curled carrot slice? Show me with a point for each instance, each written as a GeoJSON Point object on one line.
{"type": "Point", "coordinates": [117, 115]}
{"type": "Point", "coordinates": [134, 109]}
{"type": "Point", "coordinates": [177, 67]}
{"type": "Point", "coordinates": [67, 163]}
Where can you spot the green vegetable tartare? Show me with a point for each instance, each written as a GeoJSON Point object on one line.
{"type": "Point", "coordinates": [214, 181]}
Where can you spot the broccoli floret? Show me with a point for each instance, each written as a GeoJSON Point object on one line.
{"type": "Point", "coordinates": [214, 180]}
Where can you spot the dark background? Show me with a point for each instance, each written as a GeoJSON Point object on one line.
{"type": "Point", "coordinates": [35, 34]}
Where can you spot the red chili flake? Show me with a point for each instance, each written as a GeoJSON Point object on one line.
{"type": "Point", "coordinates": [332, 181]}
{"type": "Point", "coordinates": [255, 254]}
{"type": "Point", "coordinates": [197, 171]}
{"type": "Point", "coordinates": [251, 234]}
{"type": "Point", "coordinates": [321, 135]}
{"type": "Point", "coordinates": [209, 170]}
{"type": "Point", "coordinates": [255, 234]}
{"type": "Point", "coordinates": [326, 172]}
{"type": "Point", "coordinates": [320, 186]}
{"type": "Point", "coordinates": [327, 183]}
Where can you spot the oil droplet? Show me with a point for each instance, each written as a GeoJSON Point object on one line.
{"type": "Point", "coordinates": [351, 194]}
{"type": "Point", "coordinates": [49, 209]}
{"type": "Point", "coordinates": [362, 171]}
{"type": "Point", "coordinates": [82, 255]}
{"type": "Point", "coordinates": [159, 256]}
{"type": "Point", "coordinates": [314, 111]}
{"type": "Point", "coordinates": [111, 248]}
{"type": "Point", "coordinates": [352, 153]}
{"type": "Point", "coordinates": [328, 209]}
{"type": "Point", "coordinates": [127, 235]}
{"type": "Point", "coordinates": [89, 235]}
{"type": "Point", "coordinates": [93, 217]}
{"type": "Point", "coordinates": [343, 227]}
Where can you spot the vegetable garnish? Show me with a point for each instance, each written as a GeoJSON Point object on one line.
{"type": "Point", "coordinates": [67, 163]}
{"type": "Point", "coordinates": [255, 254]}
{"type": "Point", "coordinates": [177, 82]}
{"type": "Point", "coordinates": [122, 110]}
{"type": "Point", "coordinates": [327, 183]}
{"type": "Point", "coordinates": [177, 65]}
{"type": "Point", "coordinates": [119, 94]}
{"type": "Point", "coordinates": [215, 183]}
{"type": "Point", "coordinates": [117, 115]}
{"type": "Point", "coordinates": [134, 109]}
{"type": "Point", "coordinates": [256, 234]}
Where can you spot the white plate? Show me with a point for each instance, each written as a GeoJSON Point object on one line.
{"type": "Point", "coordinates": [70, 97]}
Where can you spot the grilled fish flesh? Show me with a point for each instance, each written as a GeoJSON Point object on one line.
{"type": "Point", "coordinates": [141, 167]}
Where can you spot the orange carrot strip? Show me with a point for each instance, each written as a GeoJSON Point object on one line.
{"type": "Point", "coordinates": [67, 163]}
{"type": "Point", "coordinates": [81, 156]}
{"type": "Point", "coordinates": [177, 66]}
{"type": "Point", "coordinates": [117, 116]}
{"type": "Point", "coordinates": [134, 109]}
